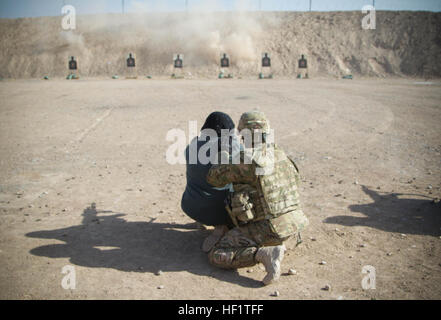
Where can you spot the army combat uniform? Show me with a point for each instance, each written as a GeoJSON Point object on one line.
{"type": "Point", "coordinates": [265, 209]}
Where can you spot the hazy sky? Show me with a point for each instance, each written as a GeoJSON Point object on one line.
{"type": "Point", "coordinates": [33, 8]}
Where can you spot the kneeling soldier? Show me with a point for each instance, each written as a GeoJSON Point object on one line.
{"type": "Point", "coordinates": [264, 206]}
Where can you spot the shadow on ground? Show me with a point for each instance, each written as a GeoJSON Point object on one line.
{"type": "Point", "coordinates": [134, 246]}
{"type": "Point", "coordinates": [393, 212]}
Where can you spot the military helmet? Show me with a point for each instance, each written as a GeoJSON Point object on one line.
{"type": "Point", "coordinates": [254, 120]}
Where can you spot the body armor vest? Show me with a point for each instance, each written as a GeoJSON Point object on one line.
{"type": "Point", "coordinates": [278, 190]}
{"type": "Point", "coordinates": [274, 197]}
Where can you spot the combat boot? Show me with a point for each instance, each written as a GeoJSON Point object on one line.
{"type": "Point", "coordinates": [271, 258]}
{"type": "Point", "coordinates": [213, 238]}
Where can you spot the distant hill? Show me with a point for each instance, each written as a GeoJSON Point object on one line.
{"type": "Point", "coordinates": [404, 44]}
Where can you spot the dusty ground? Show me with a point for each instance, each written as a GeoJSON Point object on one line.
{"type": "Point", "coordinates": [369, 152]}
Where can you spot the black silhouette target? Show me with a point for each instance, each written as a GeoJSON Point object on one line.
{"type": "Point", "coordinates": [178, 62]}
{"type": "Point", "coordinates": [131, 61]}
{"type": "Point", "coordinates": [73, 65]}
{"type": "Point", "coordinates": [303, 63]}
{"type": "Point", "coordinates": [266, 60]}
{"type": "Point", "coordinates": [225, 62]}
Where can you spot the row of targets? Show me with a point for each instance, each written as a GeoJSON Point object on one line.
{"type": "Point", "coordinates": [266, 72]}
{"type": "Point", "coordinates": [178, 64]}
{"type": "Point", "coordinates": [266, 61]}
{"type": "Point", "coordinates": [131, 64]}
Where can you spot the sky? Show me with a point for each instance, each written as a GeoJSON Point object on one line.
{"type": "Point", "coordinates": [36, 8]}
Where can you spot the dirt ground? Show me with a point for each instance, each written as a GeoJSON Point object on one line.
{"type": "Point", "coordinates": [84, 182]}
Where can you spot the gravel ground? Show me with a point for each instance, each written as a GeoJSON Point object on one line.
{"type": "Point", "coordinates": [84, 182]}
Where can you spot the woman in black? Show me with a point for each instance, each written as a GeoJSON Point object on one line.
{"type": "Point", "coordinates": [201, 201]}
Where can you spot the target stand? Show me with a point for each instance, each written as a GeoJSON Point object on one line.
{"type": "Point", "coordinates": [178, 66]}
{"type": "Point", "coordinates": [224, 67]}
{"type": "Point", "coordinates": [131, 67]}
{"type": "Point", "coordinates": [303, 68]}
{"type": "Point", "coordinates": [265, 71]}
{"type": "Point", "coordinates": [73, 69]}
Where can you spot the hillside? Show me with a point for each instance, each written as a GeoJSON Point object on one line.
{"type": "Point", "coordinates": [404, 44]}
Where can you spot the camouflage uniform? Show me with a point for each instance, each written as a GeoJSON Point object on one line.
{"type": "Point", "coordinates": [265, 208]}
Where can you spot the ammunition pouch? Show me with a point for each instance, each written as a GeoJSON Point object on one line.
{"type": "Point", "coordinates": [239, 206]}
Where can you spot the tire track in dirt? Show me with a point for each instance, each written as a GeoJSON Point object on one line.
{"type": "Point", "coordinates": [91, 128]}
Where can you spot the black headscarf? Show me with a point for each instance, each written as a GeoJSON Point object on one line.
{"type": "Point", "coordinates": [218, 121]}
